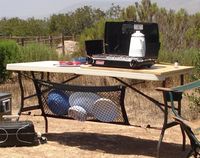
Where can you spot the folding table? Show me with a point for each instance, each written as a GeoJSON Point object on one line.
{"type": "Point", "coordinates": [158, 72]}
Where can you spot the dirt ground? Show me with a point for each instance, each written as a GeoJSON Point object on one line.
{"type": "Point", "coordinates": [74, 139]}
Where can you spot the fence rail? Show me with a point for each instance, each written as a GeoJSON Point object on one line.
{"type": "Point", "coordinates": [52, 41]}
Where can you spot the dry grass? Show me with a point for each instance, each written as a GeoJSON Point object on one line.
{"type": "Point", "coordinates": [69, 138]}
{"type": "Point", "coordinates": [139, 109]}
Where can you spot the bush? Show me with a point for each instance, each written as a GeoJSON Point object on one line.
{"type": "Point", "coordinates": [185, 57]}
{"type": "Point", "coordinates": [2, 66]}
{"type": "Point", "coordinates": [9, 53]}
{"type": "Point", "coordinates": [195, 96]}
{"type": "Point", "coordinates": [94, 33]}
{"type": "Point", "coordinates": [37, 52]}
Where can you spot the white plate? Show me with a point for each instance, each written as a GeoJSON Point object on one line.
{"type": "Point", "coordinates": [84, 99]}
{"type": "Point", "coordinates": [105, 110]}
{"type": "Point", "coordinates": [77, 113]}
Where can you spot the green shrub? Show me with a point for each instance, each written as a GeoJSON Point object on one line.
{"type": "Point", "coordinates": [9, 53]}
{"type": "Point", "coordinates": [37, 52]}
{"type": "Point", "coordinates": [194, 97]}
{"type": "Point", "coordinates": [2, 66]}
{"type": "Point", "coordinates": [184, 57]}
{"type": "Point", "coordinates": [92, 33]}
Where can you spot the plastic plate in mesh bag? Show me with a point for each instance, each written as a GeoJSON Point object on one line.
{"type": "Point", "coordinates": [84, 99]}
{"type": "Point", "coordinates": [77, 113]}
{"type": "Point", "coordinates": [105, 110]}
{"type": "Point", "coordinates": [58, 102]}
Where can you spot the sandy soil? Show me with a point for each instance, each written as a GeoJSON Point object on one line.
{"type": "Point", "coordinates": [74, 139]}
{"type": "Point", "coordinates": [69, 138]}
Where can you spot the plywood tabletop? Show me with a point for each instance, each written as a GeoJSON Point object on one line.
{"type": "Point", "coordinates": [157, 72]}
{"type": "Point", "coordinates": [157, 69]}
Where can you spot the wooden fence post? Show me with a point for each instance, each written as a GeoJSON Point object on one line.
{"type": "Point", "coordinates": [63, 44]}
{"type": "Point", "coordinates": [38, 39]}
{"type": "Point", "coordinates": [22, 41]}
{"type": "Point", "coordinates": [50, 41]}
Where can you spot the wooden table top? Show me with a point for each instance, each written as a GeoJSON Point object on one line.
{"type": "Point", "coordinates": [157, 72]}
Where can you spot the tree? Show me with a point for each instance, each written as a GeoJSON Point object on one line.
{"type": "Point", "coordinates": [114, 12]}
{"type": "Point", "coordinates": [192, 35]}
{"type": "Point", "coordinates": [19, 27]}
{"type": "Point", "coordinates": [61, 23]}
{"type": "Point", "coordinates": [74, 23]}
{"type": "Point", "coordinates": [146, 11]}
{"type": "Point", "coordinates": [129, 13]}
{"type": "Point", "coordinates": [36, 27]}
{"type": "Point", "coordinates": [94, 32]}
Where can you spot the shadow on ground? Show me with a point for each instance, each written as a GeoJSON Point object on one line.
{"type": "Point", "coordinates": [117, 144]}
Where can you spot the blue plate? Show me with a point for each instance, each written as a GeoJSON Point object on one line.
{"type": "Point", "coordinates": [58, 102]}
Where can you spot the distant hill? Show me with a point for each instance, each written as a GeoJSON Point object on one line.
{"type": "Point", "coordinates": [191, 6]}
{"type": "Point", "coordinates": [102, 4]}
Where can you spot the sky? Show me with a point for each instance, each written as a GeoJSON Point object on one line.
{"type": "Point", "coordinates": [44, 8]}
{"type": "Point", "coordinates": [30, 8]}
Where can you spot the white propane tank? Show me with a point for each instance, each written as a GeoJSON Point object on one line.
{"type": "Point", "coordinates": [137, 46]}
